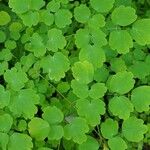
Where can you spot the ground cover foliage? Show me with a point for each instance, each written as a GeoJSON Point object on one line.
{"type": "Point", "coordinates": [74, 75]}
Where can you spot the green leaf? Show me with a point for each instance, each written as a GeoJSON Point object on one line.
{"type": "Point", "coordinates": [118, 65]}
{"type": "Point", "coordinates": [30, 18]}
{"type": "Point", "coordinates": [10, 44]}
{"type": "Point", "coordinates": [101, 74]}
{"type": "Point", "coordinates": [82, 38]}
{"type": "Point", "coordinates": [23, 6]}
{"type": "Point", "coordinates": [140, 98]}
{"type": "Point", "coordinates": [2, 36]}
{"type": "Point", "coordinates": [76, 130]}
{"type": "Point", "coordinates": [109, 128]}
{"type": "Point", "coordinates": [36, 45]}
{"type": "Point", "coordinates": [123, 15]}
{"type": "Point", "coordinates": [96, 21]}
{"type": "Point", "coordinates": [94, 55]}
{"type": "Point", "coordinates": [6, 122]}
{"type": "Point", "coordinates": [18, 6]}
{"type": "Point", "coordinates": [140, 69]}
{"type": "Point", "coordinates": [79, 89]}
{"type": "Point", "coordinates": [63, 18]}
{"type": "Point", "coordinates": [60, 62]}
{"type": "Point", "coordinates": [38, 128]}
{"type": "Point", "coordinates": [121, 106]}
{"type": "Point", "coordinates": [53, 6]}
{"type": "Point", "coordinates": [89, 144]}
{"type": "Point", "coordinates": [24, 103]}
{"type": "Point", "coordinates": [56, 40]}
{"type": "Point", "coordinates": [56, 132]}
{"type": "Point", "coordinates": [121, 41]}
{"type": "Point", "coordinates": [141, 31]}
{"type": "Point", "coordinates": [52, 115]}
{"type": "Point", "coordinates": [27, 61]}
{"type": "Point", "coordinates": [82, 13]}
{"type": "Point", "coordinates": [36, 4]}
{"type": "Point", "coordinates": [16, 79]}
{"type": "Point", "coordinates": [44, 148]}
{"type": "Point", "coordinates": [4, 18]}
{"type": "Point", "coordinates": [22, 125]}
{"type": "Point", "coordinates": [89, 108]}
{"type": "Point", "coordinates": [4, 67]}
{"type": "Point", "coordinates": [102, 6]}
{"type": "Point", "coordinates": [97, 38]}
{"type": "Point", "coordinates": [133, 129]}
{"type": "Point", "coordinates": [4, 139]}
{"type": "Point", "coordinates": [122, 2]}
{"type": "Point", "coordinates": [15, 27]}
{"type": "Point", "coordinates": [46, 17]}
{"type": "Point", "coordinates": [20, 140]}
{"type": "Point", "coordinates": [5, 55]}
{"type": "Point", "coordinates": [4, 97]}
{"type": "Point", "coordinates": [116, 142]}
{"type": "Point", "coordinates": [83, 72]}
{"type": "Point", "coordinates": [63, 87]}
{"type": "Point", "coordinates": [97, 90]}
{"type": "Point", "coordinates": [85, 37]}
{"type": "Point", "coordinates": [121, 82]}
